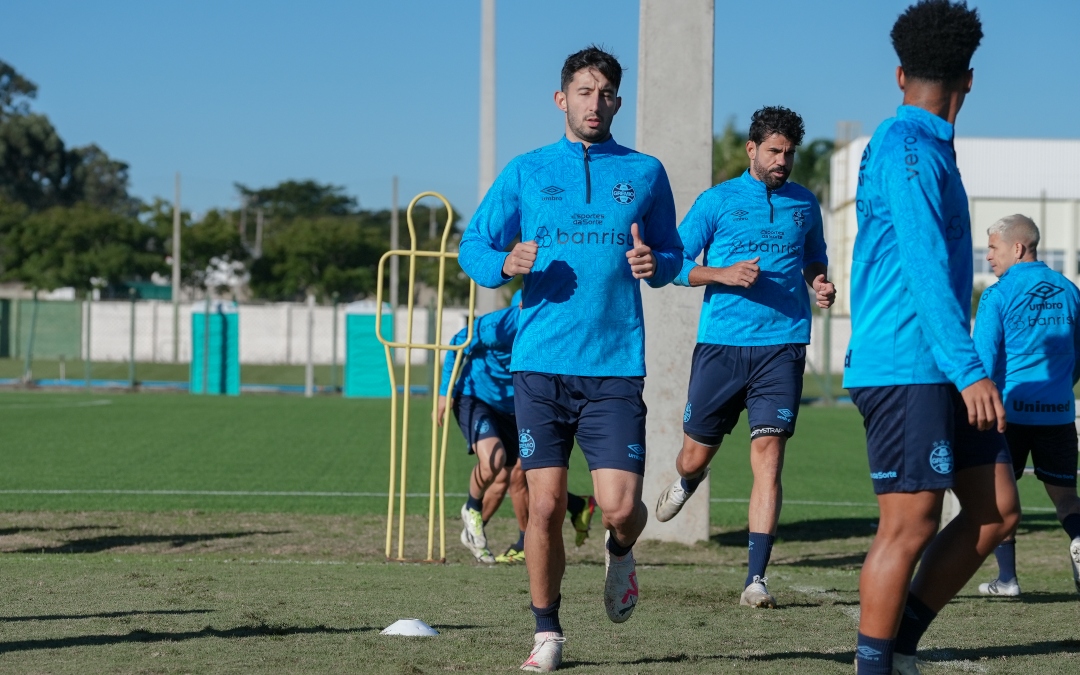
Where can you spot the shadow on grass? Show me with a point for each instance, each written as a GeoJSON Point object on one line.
{"type": "Point", "coordinates": [852, 561]}
{"type": "Point", "coordinates": [1028, 598]}
{"type": "Point", "coordinates": [103, 615]}
{"type": "Point", "coordinates": [105, 543]}
{"type": "Point", "coordinates": [18, 530]}
{"type": "Point", "coordinates": [848, 657]}
{"type": "Point", "coordinates": [261, 630]}
{"type": "Point", "coordinates": [807, 530]}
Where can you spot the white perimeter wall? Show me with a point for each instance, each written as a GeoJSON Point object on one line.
{"type": "Point", "coordinates": [269, 334]}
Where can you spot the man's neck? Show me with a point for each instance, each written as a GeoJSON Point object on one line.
{"type": "Point", "coordinates": [933, 98]}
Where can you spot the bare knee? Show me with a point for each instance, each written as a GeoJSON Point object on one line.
{"type": "Point", "coordinates": [909, 535]}
{"type": "Point", "coordinates": [620, 514]}
{"type": "Point", "coordinates": [546, 509]}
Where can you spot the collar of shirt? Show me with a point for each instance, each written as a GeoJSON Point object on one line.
{"type": "Point", "coordinates": [608, 147]}
{"type": "Point", "coordinates": [938, 127]}
{"type": "Point", "coordinates": [1022, 267]}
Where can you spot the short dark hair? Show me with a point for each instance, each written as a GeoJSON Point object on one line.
{"type": "Point", "coordinates": [775, 119]}
{"type": "Point", "coordinates": [935, 39]}
{"type": "Point", "coordinates": [592, 57]}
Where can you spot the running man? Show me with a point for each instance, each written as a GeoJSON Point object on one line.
{"type": "Point", "coordinates": [1026, 335]}
{"type": "Point", "coordinates": [594, 218]}
{"type": "Point", "coordinates": [483, 405]}
{"type": "Point", "coordinates": [763, 244]}
{"type": "Point", "coordinates": [933, 418]}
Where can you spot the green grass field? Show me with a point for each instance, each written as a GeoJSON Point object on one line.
{"type": "Point", "coordinates": [116, 556]}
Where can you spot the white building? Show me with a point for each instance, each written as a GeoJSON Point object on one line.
{"type": "Point", "coordinates": [1039, 178]}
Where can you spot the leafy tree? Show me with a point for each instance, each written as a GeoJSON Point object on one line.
{"type": "Point", "coordinates": [729, 153]}
{"type": "Point", "coordinates": [99, 180]}
{"type": "Point", "coordinates": [319, 255]}
{"type": "Point", "coordinates": [67, 246]}
{"type": "Point", "coordinates": [295, 199]}
{"type": "Point", "coordinates": [14, 90]}
{"type": "Point", "coordinates": [204, 244]}
{"type": "Point", "coordinates": [34, 166]}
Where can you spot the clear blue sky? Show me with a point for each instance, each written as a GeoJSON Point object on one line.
{"type": "Point", "coordinates": [352, 92]}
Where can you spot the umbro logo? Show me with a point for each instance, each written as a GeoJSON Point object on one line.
{"type": "Point", "coordinates": [740, 214]}
{"type": "Point", "coordinates": [1045, 290]}
{"type": "Point", "coordinates": [552, 190]}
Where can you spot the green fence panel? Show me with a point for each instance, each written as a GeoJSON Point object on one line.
{"type": "Point", "coordinates": [217, 354]}
{"type": "Point", "coordinates": [365, 356]}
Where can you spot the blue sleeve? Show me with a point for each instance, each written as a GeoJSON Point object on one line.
{"type": "Point", "coordinates": [661, 235]}
{"type": "Point", "coordinates": [448, 362]}
{"type": "Point", "coordinates": [814, 245]}
{"type": "Point", "coordinates": [918, 217]}
{"type": "Point", "coordinates": [697, 228]}
{"type": "Point", "coordinates": [497, 330]}
{"type": "Point", "coordinates": [989, 334]}
{"type": "Point", "coordinates": [494, 225]}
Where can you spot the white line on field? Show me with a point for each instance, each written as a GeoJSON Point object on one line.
{"type": "Point", "coordinates": [381, 495]}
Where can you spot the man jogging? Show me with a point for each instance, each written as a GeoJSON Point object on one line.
{"type": "Point", "coordinates": [594, 218]}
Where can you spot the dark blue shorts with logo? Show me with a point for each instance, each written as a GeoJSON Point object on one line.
{"type": "Point", "coordinates": [478, 421]}
{"type": "Point", "coordinates": [605, 414]}
{"type": "Point", "coordinates": [724, 380]}
{"type": "Point", "coordinates": [1052, 448]}
{"type": "Point", "coordinates": [918, 436]}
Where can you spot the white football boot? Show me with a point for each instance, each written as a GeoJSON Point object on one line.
{"type": "Point", "coordinates": [620, 585]}
{"type": "Point", "coordinates": [672, 499]}
{"type": "Point", "coordinates": [546, 654]}
{"type": "Point", "coordinates": [757, 594]}
{"type": "Point", "coordinates": [473, 537]}
{"type": "Point", "coordinates": [1009, 589]}
{"type": "Point", "coordinates": [1074, 554]}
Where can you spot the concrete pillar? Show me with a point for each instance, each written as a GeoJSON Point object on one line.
{"type": "Point", "coordinates": [487, 298]}
{"type": "Point", "coordinates": [675, 124]}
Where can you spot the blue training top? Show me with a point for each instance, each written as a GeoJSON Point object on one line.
{"type": "Point", "coordinates": [1025, 333]}
{"type": "Point", "coordinates": [741, 219]}
{"type": "Point", "coordinates": [911, 265]}
{"type": "Point", "coordinates": [485, 374]}
{"type": "Point", "coordinates": [582, 306]}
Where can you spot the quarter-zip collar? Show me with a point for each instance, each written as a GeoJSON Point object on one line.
{"type": "Point", "coordinates": [587, 155]}
{"type": "Point", "coordinates": [759, 186]}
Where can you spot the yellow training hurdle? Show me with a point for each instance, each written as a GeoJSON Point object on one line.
{"type": "Point", "coordinates": [437, 487]}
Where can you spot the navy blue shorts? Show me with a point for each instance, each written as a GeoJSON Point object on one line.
{"type": "Point", "coordinates": [918, 436]}
{"type": "Point", "coordinates": [1052, 448]}
{"type": "Point", "coordinates": [478, 421]}
{"type": "Point", "coordinates": [606, 414]}
{"type": "Point", "coordinates": [724, 380]}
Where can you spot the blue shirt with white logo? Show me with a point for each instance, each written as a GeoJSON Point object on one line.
{"type": "Point", "coordinates": [485, 374]}
{"type": "Point", "coordinates": [741, 219]}
{"type": "Point", "coordinates": [911, 264]}
{"type": "Point", "coordinates": [582, 306]}
{"type": "Point", "coordinates": [1025, 333]}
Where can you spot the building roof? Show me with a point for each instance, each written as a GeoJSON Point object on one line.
{"type": "Point", "coordinates": [995, 168]}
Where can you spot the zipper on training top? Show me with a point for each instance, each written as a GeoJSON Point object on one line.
{"type": "Point", "coordinates": [768, 198]}
{"type": "Point", "coordinates": [588, 180]}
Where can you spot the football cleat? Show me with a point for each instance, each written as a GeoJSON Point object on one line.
{"type": "Point", "coordinates": [672, 499]}
{"type": "Point", "coordinates": [905, 664]}
{"type": "Point", "coordinates": [582, 520]}
{"type": "Point", "coordinates": [620, 585]}
{"type": "Point", "coordinates": [512, 555]}
{"type": "Point", "coordinates": [757, 594]}
{"type": "Point", "coordinates": [473, 537]}
{"type": "Point", "coordinates": [1009, 588]}
{"type": "Point", "coordinates": [546, 654]}
{"type": "Point", "coordinates": [1074, 555]}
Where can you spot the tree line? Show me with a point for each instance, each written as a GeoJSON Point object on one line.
{"type": "Point", "coordinates": [68, 220]}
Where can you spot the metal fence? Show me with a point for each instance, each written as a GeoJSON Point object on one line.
{"type": "Point", "coordinates": [133, 344]}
